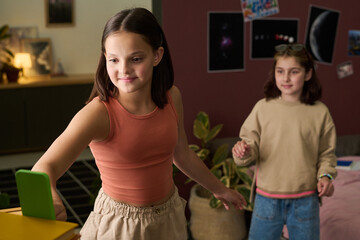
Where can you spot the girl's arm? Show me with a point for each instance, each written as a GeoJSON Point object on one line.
{"type": "Point", "coordinates": [189, 163]}
{"type": "Point", "coordinates": [90, 123]}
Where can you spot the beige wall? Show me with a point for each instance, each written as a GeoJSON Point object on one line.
{"type": "Point", "coordinates": [78, 47]}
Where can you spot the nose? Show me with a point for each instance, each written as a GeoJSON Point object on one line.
{"type": "Point", "coordinates": [287, 77]}
{"type": "Point", "coordinates": [124, 67]}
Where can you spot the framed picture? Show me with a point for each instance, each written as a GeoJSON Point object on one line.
{"type": "Point", "coordinates": [225, 41]}
{"type": "Point", "coordinates": [321, 33]}
{"type": "Point", "coordinates": [267, 33]}
{"type": "Point", "coordinates": [354, 43]}
{"type": "Point", "coordinates": [59, 12]}
{"type": "Point", "coordinates": [344, 69]}
{"type": "Point", "coordinates": [41, 56]}
{"type": "Point", "coordinates": [254, 9]}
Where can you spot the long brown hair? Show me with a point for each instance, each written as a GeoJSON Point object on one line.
{"type": "Point", "coordinates": [143, 22]}
{"type": "Point", "coordinates": [312, 90]}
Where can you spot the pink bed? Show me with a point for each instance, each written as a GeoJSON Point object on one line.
{"type": "Point", "coordinates": [340, 214]}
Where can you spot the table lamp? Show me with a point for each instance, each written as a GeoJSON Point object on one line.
{"type": "Point", "coordinates": [22, 60]}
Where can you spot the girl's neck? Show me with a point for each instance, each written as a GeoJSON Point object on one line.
{"type": "Point", "coordinates": [137, 103]}
{"type": "Point", "coordinates": [290, 99]}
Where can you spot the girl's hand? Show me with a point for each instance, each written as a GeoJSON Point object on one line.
{"type": "Point", "coordinates": [325, 187]}
{"type": "Point", "coordinates": [241, 149]}
{"type": "Point", "coordinates": [233, 197]}
{"type": "Point", "coordinates": [60, 211]}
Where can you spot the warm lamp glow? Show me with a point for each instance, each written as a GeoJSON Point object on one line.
{"type": "Point", "coordinates": [22, 60]}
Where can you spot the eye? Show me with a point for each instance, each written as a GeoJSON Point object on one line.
{"type": "Point", "coordinates": [137, 59]}
{"type": "Point", "coordinates": [114, 60]}
{"type": "Point", "coordinates": [279, 71]}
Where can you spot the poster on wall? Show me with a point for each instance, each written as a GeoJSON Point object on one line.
{"type": "Point", "coordinates": [225, 41]}
{"type": "Point", "coordinates": [267, 33]}
{"type": "Point", "coordinates": [354, 43]}
{"type": "Point", "coordinates": [344, 69]}
{"type": "Point", "coordinates": [59, 12]}
{"type": "Point", "coordinates": [321, 33]}
{"type": "Point", "coordinates": [254, 9]}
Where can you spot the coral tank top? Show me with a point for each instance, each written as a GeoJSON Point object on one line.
{"type": "Point", "coordinates": [135, 161]}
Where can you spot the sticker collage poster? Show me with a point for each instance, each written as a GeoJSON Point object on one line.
{"type": "Point", "coordinates": [254, 9]}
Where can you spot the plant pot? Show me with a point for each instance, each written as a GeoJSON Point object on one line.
{"type": "Point", "coordinates": [2, 77]}
{"type": "Point", "coordinates": [208, 223]}
{"type": "Point", "coordinates": [12, 76]}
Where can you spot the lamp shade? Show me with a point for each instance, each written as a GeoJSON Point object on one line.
{"type": "Point", "coordinates": [22, 60]}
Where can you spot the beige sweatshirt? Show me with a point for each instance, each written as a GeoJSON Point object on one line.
{"type": "Point", "coordinates": [293, 144]}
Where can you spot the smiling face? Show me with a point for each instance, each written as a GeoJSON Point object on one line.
{"type": "Point", "coordinates": [130, 61]}
{"type": "Point", "coordinates": [290, 77]}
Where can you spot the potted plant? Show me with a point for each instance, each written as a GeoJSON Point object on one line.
{"type": "Point", "coordinates": [209, 219]}
{"type": "Point", "coordinates": [6, 58]}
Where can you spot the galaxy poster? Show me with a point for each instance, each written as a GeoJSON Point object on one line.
{"type": "Point", "coordinates": [354, 43]}
{"type": "Point", "coordinates": [321, 33]}
{"type": "Point", "coordinates": [225, 41]}
{"type": "Point", "coordinates": [267, 33]}
{"type": "Point", "coordinates": [254, 9]}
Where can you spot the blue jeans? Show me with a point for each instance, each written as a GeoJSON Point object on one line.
{"type": "Point", "coordinates": [301, 216]}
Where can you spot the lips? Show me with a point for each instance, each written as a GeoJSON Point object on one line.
{"type": "Point", "coordinates": [287, 86]}
{"type": "Point", "coordinates": [127, 79]}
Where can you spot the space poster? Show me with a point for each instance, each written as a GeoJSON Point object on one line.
{"type": "Point", "coordinates": [321, 33]}
{"type": "Point", "coordinates": [225, 41]}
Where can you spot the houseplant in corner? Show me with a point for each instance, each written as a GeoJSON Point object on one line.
{"type": "Point", "coordinates": [6, 58]}
{"type": "Point", "coordinates": [209, 219]}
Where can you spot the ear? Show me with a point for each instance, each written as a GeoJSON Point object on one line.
{"type": "Point", "coordinates": [158, 54]}
{"type": "Point", "coordinates": [308, 75]}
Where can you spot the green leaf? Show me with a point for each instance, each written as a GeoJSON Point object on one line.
{"type": "Point", "coordinates": [217, 173]}
{"type": "Point", "coordinates": [220, 154]}
{"type": "Point", "coordinates": [213, 133]}
{"type": "Point", "coordinates": [243, 175]}
{"type": "Point", "coordinates": [245, 191]}
{"type": "Point", "coordinates": [203, 153]}
{"type": "Point", "coordinates": [200, 131]}
{"type": "Point", "coordinates": [225, 180]}
{"type": "Point", "coordinates": [217, 166]}
{"type": "Point", "coordinates": [9, 52]}
{"type": "Point", "coordinates": [204, 119]}
{"type": "Point", "coordinates": [194, 147]}
{"type": "Point", "coordinates": [214, 202]}
{"type": "Point", "coordinates": [3, 32]}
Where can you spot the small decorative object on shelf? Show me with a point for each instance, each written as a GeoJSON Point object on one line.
{"type": "Point", "coordinates": [58, 69]}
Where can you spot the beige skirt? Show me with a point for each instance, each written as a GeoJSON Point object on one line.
{"type": "Point", "coordinates": [115, 220]}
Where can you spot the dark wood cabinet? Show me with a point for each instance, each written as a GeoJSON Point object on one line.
{"type": "Point", "coordinates": [33, 116]}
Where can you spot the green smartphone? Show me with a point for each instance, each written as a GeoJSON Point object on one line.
{"type": "Point", "coordinates": [35, 194]}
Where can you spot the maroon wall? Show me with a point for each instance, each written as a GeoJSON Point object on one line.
{"type": "Point", "coordinates": [229, 97]}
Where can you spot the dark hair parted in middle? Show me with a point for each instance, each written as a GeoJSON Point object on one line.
{"type": "Point", "coordinates": [311, 91]}
{"type": "Point", "coordinates": [140, 21]}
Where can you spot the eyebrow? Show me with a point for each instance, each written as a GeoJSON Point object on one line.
{"type": "Point", "coordinates": [130, 55]}
{"type": "Point", "coordinates": [297, 68]}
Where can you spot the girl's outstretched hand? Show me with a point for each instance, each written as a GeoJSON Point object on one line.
{"type": "Point", "coordinates": [233, 197]}
{"type": "Point", "coordinates": [241, 149]}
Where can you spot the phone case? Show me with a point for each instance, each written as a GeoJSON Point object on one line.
{"type": "Point", "coordinates": [35, 194]}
